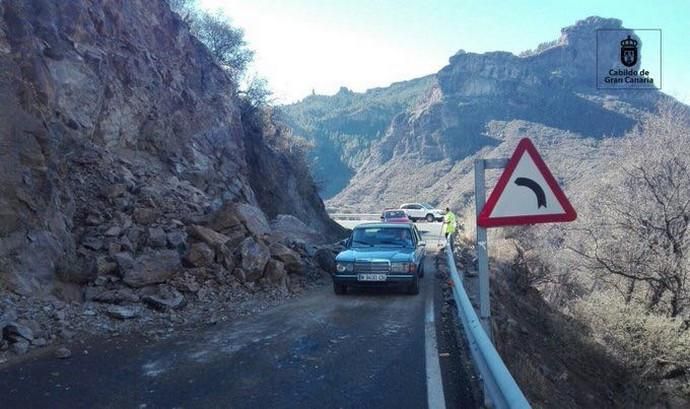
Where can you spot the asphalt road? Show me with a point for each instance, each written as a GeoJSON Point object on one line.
{"type": "Point", "coordinates": [363, 350]}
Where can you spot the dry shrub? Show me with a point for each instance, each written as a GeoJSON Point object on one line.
{"type": "Point", "coordinates": [643, 341]}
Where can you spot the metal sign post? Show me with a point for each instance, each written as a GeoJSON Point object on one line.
{"type": "Point", "coordinates": [526, 193]}
{"type": "Point", "coordinates": [481, 245]}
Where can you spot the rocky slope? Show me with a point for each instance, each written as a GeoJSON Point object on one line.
{"type": "Point", "coordinates": [343, 127]}
{"type": "Point", "coordinates": [472, 100]}
{"type": "Point", "coordinates": [131, 173]}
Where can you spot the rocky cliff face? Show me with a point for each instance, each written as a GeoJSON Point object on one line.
{"type": "Point", "coordinates": [118, 132]}
{"type": "Point", "coordinates": [344, 127]}
{"type": "Point", "coordinates": [552, 88]}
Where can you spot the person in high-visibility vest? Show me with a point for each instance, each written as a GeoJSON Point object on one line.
{"type": "Point", "coordinates": [449, 225]}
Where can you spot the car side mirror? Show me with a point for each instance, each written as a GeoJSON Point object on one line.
{"type": "Point", "coordinates": [343, 242]}
{"type": "Point", "coordinates": [422, 244]}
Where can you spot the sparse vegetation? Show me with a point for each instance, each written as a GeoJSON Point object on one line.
{"type": "Point", "coordinates": [645, 341]}
{"type": "Point", "coordinates": [623, 268]}
{"type": "Point", "coordinates": [635, 237]}
{"type": "Point", "coordinates": [224, 41]}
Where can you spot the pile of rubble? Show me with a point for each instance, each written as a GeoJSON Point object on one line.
{"type": "Point", "coordinates": [231, 262]}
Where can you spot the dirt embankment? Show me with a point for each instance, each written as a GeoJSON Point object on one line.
{"type": "Point", "coordinates": [550, 355]}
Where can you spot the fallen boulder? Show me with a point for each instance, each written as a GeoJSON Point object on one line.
{"type": "Point", "coordinates": [226, 219]}
{"type": "Point", "coordinates": [325, 259]}
{"type": "Point", "coordinates": [20, 347]}
{"type": "Point", "coordinates": [254, 219]}
{"type": "Point", "coordinates": [291, 259]}
{"type": "Point", "coordinates": [156, 237]}
{"type": "Point", "coordinates": [199, 255]}
{"type": "Point", "coordinates": [208, 236]}
{"type": "Point", "coordinates": [254, 256]}
{"type": "Point", "coordinates": [146, 215]}
{"type": "Point", "coordinates": [152, 268]}
{"type": "Point", "coordinates": [294, 228]}
{"type": "Point", "coordinates": [177, 240]}
{"type": "Point", "coordinates": [275, 272]}
{"type": "Point", "coordinates": [15, 332]}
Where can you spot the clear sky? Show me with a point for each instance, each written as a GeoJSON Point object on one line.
{"type": "Point", "coordinates": [325, 44]}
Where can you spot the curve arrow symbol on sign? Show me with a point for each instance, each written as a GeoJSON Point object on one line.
{"type": "Point", "coordinates": [535, 187]}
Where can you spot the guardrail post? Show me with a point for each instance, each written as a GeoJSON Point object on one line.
{"type": "Point", "coordinates": [481, 247]}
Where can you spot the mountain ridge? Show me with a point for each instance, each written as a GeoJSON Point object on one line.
{"type": "Point", "coordinates": [448, 121]}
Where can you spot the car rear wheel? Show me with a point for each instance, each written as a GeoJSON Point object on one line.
{"type": "Point", "coordinates": [430, 217]}
{"type": "Point", "coordinates": [413, 289]}
{"type": "Point", "coordinates": [339, 289]}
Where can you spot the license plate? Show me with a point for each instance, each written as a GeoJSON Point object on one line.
{"type": "Point", "coordinates": [371, 277]}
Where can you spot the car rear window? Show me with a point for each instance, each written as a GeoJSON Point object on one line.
{"type": "Point", "coordinates": [394, 213]}
{"type": "Point", "coordinates": [381, 236]}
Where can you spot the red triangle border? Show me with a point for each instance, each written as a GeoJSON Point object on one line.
{"type": "Point", "coordinates": [525, 145]}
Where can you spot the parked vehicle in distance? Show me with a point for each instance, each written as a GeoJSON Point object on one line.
{"type": "Point", "coordinates": [381, 254]}
{"type": "Point", "coordinates": [395, 216]}
{"type": "Point", "coordinates": [385, 210]}
{"type": "Point", "coordinates": [422, 211]}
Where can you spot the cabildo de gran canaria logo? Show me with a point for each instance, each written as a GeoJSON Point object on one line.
{"type": "Point", "coordinates": [629, 59]}
{"type": "Point", "coordinates": [619, 58]}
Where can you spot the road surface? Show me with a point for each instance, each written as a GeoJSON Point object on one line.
{"type": "Point", "coordinates": [370, 349]}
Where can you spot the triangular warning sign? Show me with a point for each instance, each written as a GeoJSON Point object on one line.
{"type": "Point", "coordinates": [526, 193]}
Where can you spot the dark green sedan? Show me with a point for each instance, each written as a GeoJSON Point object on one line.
{"type": "Point", "coordinates": [381, 254]}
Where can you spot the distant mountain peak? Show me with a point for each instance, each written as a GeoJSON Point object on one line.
{"type": "Point", "coordinates": [375, 143]}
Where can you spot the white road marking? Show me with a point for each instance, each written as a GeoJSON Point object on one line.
{"type": "Point", "coordinates": [434, 381]}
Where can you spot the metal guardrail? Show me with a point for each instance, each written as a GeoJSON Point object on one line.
{"type": "Point", "coordinates": [355, 216]}
{"type": "Point", "coordinates": [500, 389]}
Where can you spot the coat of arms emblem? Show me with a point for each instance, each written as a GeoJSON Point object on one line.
{"type": "Point", "coordinates": [629, 52]}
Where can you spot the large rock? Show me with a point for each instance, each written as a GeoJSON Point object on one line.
{"type": "Point", "coordinates": [290, 258]}
{"type": "Point", "coordinates": [168, 299]}
{"type": "Point", "coordinates": [226, 219]}
{"type": "Point", "coordinates": [208, 236]}
{"type": "Point", "coordinates": [275, 273]}
{"type": "Point", "coordinates": [153, 268]}
{"type": "Point", "coordinates": [156, 237]}
{"type": "Point", "coordinates": [124, 261]}
{"type": "Point", "coordinates": [15, 332]}
{"type": "Point", "coordinates": [7, 317]}
{"type": "Point", "coordinates": [254, 256]}
{"type": "Point", "coordinates": [92, 243]}
{"type": "Point", "coordinates": [145, 215]}
{"type": "Point", "coordinates": [177, 240]}
{"type": "Point", "coordinates": [20, 347]}
{"type": "Point", "coordinates": [325, 259]}
{"type": "Point", "coordinates": [199, 255]}
{"type": "Point", "coordinates": [227, 257]}
{"type": "Point", "coordinates": [104, 266]}
{"type": "Point", "coordinates": [295, 229]}
{"type": "Point", "coordinates": [77, 269]}
{"type": "Point", "coordinates": [254, 219]}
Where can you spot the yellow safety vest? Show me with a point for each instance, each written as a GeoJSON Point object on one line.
{"type": "Point", "coordinates": [449, 219]}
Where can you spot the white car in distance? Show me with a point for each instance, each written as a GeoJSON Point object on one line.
{"type": "Point", "coordinates": [422, 211]}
